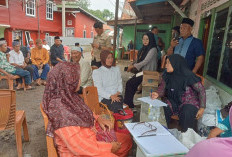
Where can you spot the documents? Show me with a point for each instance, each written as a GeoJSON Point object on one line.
{"type": "Point", "coordinates": [164, 143]}
{"type": "Point", "coordinates": [155, 103]}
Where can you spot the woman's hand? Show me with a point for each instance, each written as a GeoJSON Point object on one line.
{"type": "Point", "coordinates": [200, 113]}
{"type": "Point", "coordinates": [154, 95]}
{"type": "Point", "coordinates": [130, 67]}
{"type": "Point", "coordinates": [114, 98]}
{"type": "Point", "coordinates": [105, 123]}
{"type": "Point", "coordinates": [115, 147]}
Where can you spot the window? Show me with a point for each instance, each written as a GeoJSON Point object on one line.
{"type": "Point", "coordinates": [49, 10]}
{"type": "Point", "coordinates": [3, 2]}
{"type": "Point", "coordinates": [30, 7]}
{"type": "Point", "coordinates": [84, 34]}
{"type": "Point", "coordinates": [91, 34]}
{"type": "Point", "coordinates": [220, 58]}
{"type": "Point", "coordinates": [28, 37]}
{"type": "Point", "coordinates": [17, 35]}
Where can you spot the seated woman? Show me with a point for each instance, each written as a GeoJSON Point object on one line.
{"type": "Point", "coordinates": [146, 60]}
{"type": "Point", "coordinates": [71, 122]}
{"type": "Point", "coordinates": [184, 93]}
{"type": "Point", "coordinates": [108, 81]}
{"type": "Point", "coordinates": [223, 129]}
{"type": "Point", "coordinates": [213, 147]}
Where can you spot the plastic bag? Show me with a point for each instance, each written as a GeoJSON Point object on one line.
{"type": "Point", "coordinates": [190, 138]}
{"type": "Point", "coordinates": [209, 119]}
{"type": "Point", "coordinates": [213, 101]}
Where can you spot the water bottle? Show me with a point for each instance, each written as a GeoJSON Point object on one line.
{"type": "Point", "coordinates": [151, 112]}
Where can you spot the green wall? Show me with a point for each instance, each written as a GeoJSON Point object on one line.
{"type": "Point", "coordinates": [128, 34]}
{"type": "Point", "coordinates": [2, 32]}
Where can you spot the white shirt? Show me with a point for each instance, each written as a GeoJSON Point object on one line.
{"type": "Point", "coordinates": [16, 58]}
{"type": "Point", "coordinates": [47, 47]}
{"type": "Point", "coordinates": [107, 81]}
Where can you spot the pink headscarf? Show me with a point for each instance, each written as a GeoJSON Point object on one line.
{"type": "Point", "coordinates": [214, 147]}
{"type": "Point", "coordinates": [61, 103]}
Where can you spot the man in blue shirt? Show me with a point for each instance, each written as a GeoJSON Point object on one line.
{"type": "Point", "coordinates": [187, 46]}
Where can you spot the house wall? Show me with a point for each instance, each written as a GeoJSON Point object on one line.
{"type": "Point", "coordinates": [4, 15]}
{"type": "Point", "coordinates": [18, 20]}
{"type": "Point", "coordinates": [200, 8]}
{"type": "Point", "coordinates": [128, 34]}
{"type": "Point", "coordinates": [84, 22]}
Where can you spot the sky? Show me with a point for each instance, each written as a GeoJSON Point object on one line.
{"type": "Point", "coordinates": [106, 4]}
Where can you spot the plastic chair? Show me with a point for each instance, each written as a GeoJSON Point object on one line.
{"type": "Point", "coordinates": [90, 95]}
{"type": "Point", "coordinates": [12, 119]}
{"type": "Point", "coordinates": [50, 144]}
{"type": "Point", "coordinates": [11, 81]}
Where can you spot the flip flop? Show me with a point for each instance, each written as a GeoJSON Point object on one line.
{"type": "Point", "coordinates": [19, 89]}
{"type": "Point", "coordinates": [31, 88]}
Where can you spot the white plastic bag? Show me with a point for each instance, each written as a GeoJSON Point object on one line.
{"type": "Point", "coordinates": [213, 101]}
{"type": "Point", "coordinates": [209, 119]}
{"type": "Point", "coordinates": [190, 138]}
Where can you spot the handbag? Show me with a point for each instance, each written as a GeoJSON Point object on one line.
{"type": "Point", "coordinates": [122, 117]}
{"type": "Point", "coordinates": [105, 136]}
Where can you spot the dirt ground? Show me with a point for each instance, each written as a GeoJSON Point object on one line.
{"type": "Point", "coordinates": [29, 101]}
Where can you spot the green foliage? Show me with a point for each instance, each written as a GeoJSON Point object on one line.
{"type": "Point", "coordinates": [85, 4]}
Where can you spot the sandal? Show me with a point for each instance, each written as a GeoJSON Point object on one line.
{"type": "Point", "coordinates": [30, 88]}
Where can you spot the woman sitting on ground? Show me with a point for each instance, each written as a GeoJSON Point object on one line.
{"type": "Point", "coordinates": [146, 60]}
{"type": "Point", "coordinates": [214, 147]}
{"type": "Point", "coordinates": [71, 122]}
{"type": "Point", "coordinates": [108, 81]}
{"type": "Point", "coordinates": [184, 93]}
{"type": "Point", "coordinates": [223, 129]}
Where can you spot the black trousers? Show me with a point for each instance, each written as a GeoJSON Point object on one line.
{"type": "Point", "coordinates": [113, 106]}
{"type": "Point", "coordinates": [131, 87]}
{"type": "Point", "coordinates": [187, 116]}
{"type": "Point", "coordinates": [95, 63]}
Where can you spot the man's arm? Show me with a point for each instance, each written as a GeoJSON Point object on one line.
{"type": "Point", "coordinates": [7, 74]}
{"type": "Point", "coordinates": [200, 60]}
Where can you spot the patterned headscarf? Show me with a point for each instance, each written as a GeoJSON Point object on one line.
{"type": "Point", "coordinates": [61, 103]}
{"type": "Point", "coordinates": [104, 54]}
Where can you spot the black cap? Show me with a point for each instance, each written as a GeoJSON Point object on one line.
{"type": "Point", "coordinates": [77, 44]}
{"type": "Point", "coordinates": [188, 21]}
{"type": "Point", "coordinates": [56, 37]}
{"type": "Point", "coordinates": [98, 25]}
{"type": "Point", "coordinates": [2, 39]}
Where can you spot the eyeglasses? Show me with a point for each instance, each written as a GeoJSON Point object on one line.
{"type": "Point", "coordinates": [153, 128]}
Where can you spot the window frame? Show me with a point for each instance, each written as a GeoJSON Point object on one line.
{"type": "Point", "coordinates": [48, 2]}
{"type": "Point", "coordinates": [209, 45]}
{"type": "Point", "coordinates": [84, 33]}
{"type": "Point", "coordinates": [27, 6]}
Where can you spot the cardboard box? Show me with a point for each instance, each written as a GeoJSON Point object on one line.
{"type": "Point", "coordinates": [150, 78]}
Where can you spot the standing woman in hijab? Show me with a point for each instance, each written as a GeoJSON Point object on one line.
{"type": "Point", "coordinates": [146, 60]}
{"type": "Point", "coordinates": [71, 122]}
{"type": "Point", "coordinates": [108, 81]}
{"type": "Point", "coordinates": [184, 93]}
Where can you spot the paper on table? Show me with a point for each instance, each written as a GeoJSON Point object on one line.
{"type": "Point", "coordinates": [164, 143]}
{"type": "Point", "coordinates": [155, 103]}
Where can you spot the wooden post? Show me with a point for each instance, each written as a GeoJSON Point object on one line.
{"type": "Point", "coordinates": [38, 18]}
{"type": "Point", "coordinates": [115, 26]}
{"type": "Point", "coordinates": [63, 18]}
{"type": "Point", "coordinates": [135, 32]}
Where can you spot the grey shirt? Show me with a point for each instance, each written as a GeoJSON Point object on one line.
{"type": "Point", "coordinates": [149, 63]}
